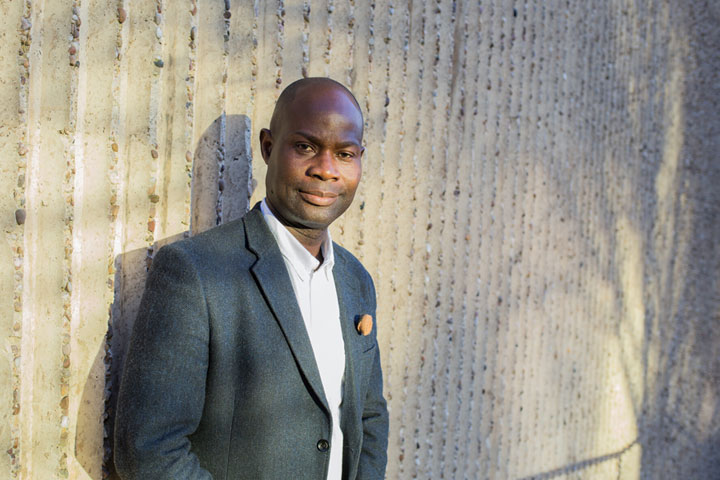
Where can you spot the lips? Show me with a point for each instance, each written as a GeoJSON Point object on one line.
{"type": "Point", "coordinates": [318, 197]}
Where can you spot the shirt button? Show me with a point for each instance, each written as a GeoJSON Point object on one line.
{"type": "Point", "coordinates": [323, 445]}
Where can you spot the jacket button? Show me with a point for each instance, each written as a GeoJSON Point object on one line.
{"type": "Point", "coordinates": [323, 445]}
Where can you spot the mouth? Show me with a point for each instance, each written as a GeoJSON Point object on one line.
{"type": "Point", "coordinates": [318, 197]}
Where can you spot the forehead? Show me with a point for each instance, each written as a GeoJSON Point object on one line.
{"type": "Point", "coordinates": [325, 109]}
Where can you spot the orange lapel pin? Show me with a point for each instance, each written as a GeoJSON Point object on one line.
{"type": "Point", "coordinates": [365, 324]}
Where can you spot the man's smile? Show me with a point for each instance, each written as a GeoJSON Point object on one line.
{"type": "Point", "coordinates": [318, 197]}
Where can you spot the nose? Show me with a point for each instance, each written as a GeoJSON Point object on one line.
{"type": "Point", "coordinates": [324, 166]}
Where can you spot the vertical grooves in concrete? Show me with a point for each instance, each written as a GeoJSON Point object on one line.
{"type": "Point", "coordinates": [190, 87]}
{"type": "Point", "coordinates": [585, 66]}
{"type": "Point", "coordinates": [154, 22]}
{"type": "Point", "coordinates": [221, 215]}
{"type": "Point", "coordinates": [431, 170]}
{"type": "Point", "coordinates": [14, 42]}
{"type": "Point", "coordinates": [349, 42]}
{"type": "Point", "coordinates": [382, 161]}
{"type": "Point", "coordinates": [489, 295]}
{"type": "Point", "coordinates": [339, 40]}
{"type": "Point", "coordinates": [394, 308]}
{"type": "Point", "coordinates": [472, 396]}
{"type": "Point", "coordinates": [114, 130]}
{"type": "Point", "coordinates": [316, 18]}
{"type": "Point", "coordinates": [208, 104]}
{"type": "Point", "coordinates": [137, 66]}
{"type": "Point", "coordinates": [506, 242]}
{"type": "Point", "coordinates": [45, 241]}
{"type": "Point", "coordinates": [276, 36]}
{"type": "Point", "coordinates": [92, 252]}
{"type": "Point", "coordinates": [68, 188]}
{"type": "Point", "coordinates": [456, 214]}
{"type": "Point", "coordinates": [452, 70]}
{"type": "Point", "coordinates": [519, 108]}
{"type": "Point", "coordinates": [409, 321]}
{"type": "Point", "coordinates": [375, 161]}
{"type": "Point", "coordinates": [534, 211]}
{"type": "Point", "coordinates": [476, 448]}
{"type": "Point", "coordinates": [305, 38]}
{"type": "Point", "coordinates": [595, 65]}
{"type": "Point", "coordinates": [296, 35]}
{"type": "Point", "coordinates": [548, 353]}
{"type": "Point", "coordinates": [551, 353]}
{"type": "Point", "coordinates": [535, 228]}
{"type": "Point", "coordinates": [328, 38]}
{"type": "Point", "coordinates": [419, 379]}
{"type": "Point", "coordinates": [241, 47]}
{"type": "Point", "coordinates": [362, 33]}
{"type": "Point", "coordinates": [443, 102]}
{"type": "Point", "coordinates": [138, 149]}
{"type": "Point", "coordinates": [174, 127]}
{"type": "Point", "coordinates": [265, 76]}
{"type": "Point", "coordinates": [405, 324]}
{"type": "Point", "coordinates": [558, 18]}
{"type": "Point", "coordinates": [516, 240]}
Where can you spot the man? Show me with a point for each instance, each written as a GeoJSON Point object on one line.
{"type": "Point", "coordinates": [254, 355]}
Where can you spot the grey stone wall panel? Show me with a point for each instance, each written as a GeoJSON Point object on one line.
{"type": "Point", "coordinates": [539, 210]}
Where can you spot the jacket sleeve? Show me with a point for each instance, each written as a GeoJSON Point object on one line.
{"type": "Point", "coordinates": [373, 455]}
{"type": "Point", "coordinates": [162, 391]}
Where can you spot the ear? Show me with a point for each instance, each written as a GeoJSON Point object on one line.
{"type": "Point", "coordinates": [266, 143]}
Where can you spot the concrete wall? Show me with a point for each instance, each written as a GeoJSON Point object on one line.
{"type": "Point", "coordinates": [539, 210]}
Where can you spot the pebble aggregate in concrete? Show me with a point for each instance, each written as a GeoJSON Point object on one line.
{"type": "Point", "coordinates": [537, 210]}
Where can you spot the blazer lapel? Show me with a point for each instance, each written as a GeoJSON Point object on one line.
{"type": "Point", "coordinates": [272, 277]}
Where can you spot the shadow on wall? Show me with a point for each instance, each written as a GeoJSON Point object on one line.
{"type": "Point", "coordinates": [682, 418]}
{"type": "Point", "coordinates": [675, 395]}
{"type": "Point", "coordinates": [220, 192]}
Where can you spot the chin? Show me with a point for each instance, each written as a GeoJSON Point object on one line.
{"type": "Point", "coordinates": [318, 218]}
{"type": "Point", "coordinates": [316, 223]}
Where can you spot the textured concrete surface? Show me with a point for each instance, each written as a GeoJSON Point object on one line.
{"type": "Point", "coordinates": [539, 210]}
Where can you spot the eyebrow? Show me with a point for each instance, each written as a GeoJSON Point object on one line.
{"type": "Point", "coordinates": [317, 141]}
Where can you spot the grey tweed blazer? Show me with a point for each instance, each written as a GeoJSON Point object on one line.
{"type": "Point", "coordinates": [220, 380]}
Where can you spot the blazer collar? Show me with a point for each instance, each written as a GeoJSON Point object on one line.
{"type": "Point", "coordinates": [280, 296]}
{"type": "Point", "coordinates": [270, 273]}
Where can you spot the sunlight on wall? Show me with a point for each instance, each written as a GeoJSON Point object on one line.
{"type": "Point", "coordinates": [538, 209]}
{"type": "Point", "coordinates": [631, 324]}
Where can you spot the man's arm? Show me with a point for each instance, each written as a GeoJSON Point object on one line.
{"type": "Point", "coordinates": [163, 385]}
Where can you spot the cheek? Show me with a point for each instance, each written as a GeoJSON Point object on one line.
{"type": "Point", "coordinates": [281, 176]}
{"type": "Point", "coordinates": [290, 168]}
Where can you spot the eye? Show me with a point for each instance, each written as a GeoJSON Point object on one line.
{"type": "Point", "coordinates": [303, 147]}
{"type": "Point", "coordinates": [346, 155]}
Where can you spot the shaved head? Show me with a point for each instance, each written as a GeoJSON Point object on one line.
{"type": "Point", "coordinates": [315, 83]}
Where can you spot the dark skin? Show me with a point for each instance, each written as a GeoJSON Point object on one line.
{"type": "Point", "coordinates": [314, 159]}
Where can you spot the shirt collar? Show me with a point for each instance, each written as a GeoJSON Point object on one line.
{"type": "Point", "coordinates": [293, 251]}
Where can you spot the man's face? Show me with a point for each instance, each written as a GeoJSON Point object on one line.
{"type": "Point", "coordinates": [314, 157]}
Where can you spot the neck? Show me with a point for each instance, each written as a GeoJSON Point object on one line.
{"type": "Point", "coordinates": [311, 239]}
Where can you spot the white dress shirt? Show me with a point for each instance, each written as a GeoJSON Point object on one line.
{"type": "Point", "coordinates": [314, 287]}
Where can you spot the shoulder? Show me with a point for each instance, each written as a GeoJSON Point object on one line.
{"type": "Point", "coordinates": [219, 245]}
{"type": "Point", "coordinates": [352, 267]}
{"type": "Point", "coordinates": [349, 261]}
